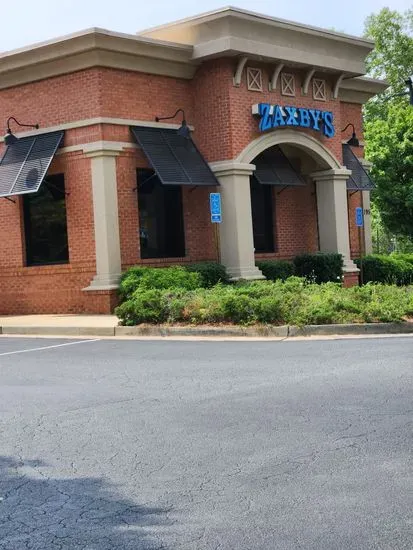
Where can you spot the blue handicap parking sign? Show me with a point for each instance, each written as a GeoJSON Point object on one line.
{"type": "Point", "coordinates": [359, 217]}
{"type": "Point", "coordinates": [215, 207]}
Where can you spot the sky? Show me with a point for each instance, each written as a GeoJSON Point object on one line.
{"type": "Point", "coordinates": [25, 22]}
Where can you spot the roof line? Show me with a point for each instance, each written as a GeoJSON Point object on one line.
{"type": "Point", "coordinates": [91, 31]}
{"type": "Point", "coordinates": [228, 9]}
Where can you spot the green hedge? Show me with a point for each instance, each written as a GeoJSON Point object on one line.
{"type": "Point", "coordinates": [319, 268]}
{"type": "Point", "coordinates": [189, 277]}
{"type": "Point", "coordinates": [211, 273]}
{"type": "Point", "coordinates": [393, 269]}
{"type": "Point", "coordinates": [293, 301]}
{"type": "Point", "coordinates": [149, 278]}
{"type": "Point", "coordinates": [315, 267]}
{"type": "Point", "coordinates": [274, 270]}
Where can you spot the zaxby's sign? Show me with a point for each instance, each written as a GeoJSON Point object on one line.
{"type": "Point", "coordinates": [276, 116]}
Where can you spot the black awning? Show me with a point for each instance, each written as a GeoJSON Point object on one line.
{"type": "Point", "coordinates": [25, 163]}
{"type": "Point", "coordinates": [175, 159]}
{"type": "Point", "coordinates": [359, 179]}
{"type": "Point", "coordinates": [274, 168]}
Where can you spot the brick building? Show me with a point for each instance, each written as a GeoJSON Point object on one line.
{"type": "Point", "coordinates": [102, 185]}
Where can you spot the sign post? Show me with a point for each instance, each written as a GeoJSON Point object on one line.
{"type": "Point", "coordinates": [360, 225]}
{"type": "Point", "coordinates": [216, 218]}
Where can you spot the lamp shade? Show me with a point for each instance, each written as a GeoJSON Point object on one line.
{"type": "Point", "coordinates": [353, 141]}
{"type": "Point", "coordinates": [10, 139]}
{"type": "Point", "coordinates": [184, 130]}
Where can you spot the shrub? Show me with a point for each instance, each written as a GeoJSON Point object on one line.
{"type": "Point", "coordinates": [293, 301]}
{"type": "Point", "coordinates": [405, 257]}
{"type": "Point", "coordinates": [276, 269]}
{"type": "Point", "coordinates": [319, 268]}
{"type": "Point", "coordinates": [393, 269]}
{"type": "Point", "coordinates": [129, 281]}
{"type": "Point", "coordinates": [144, 306]}
{"type": "Point", "coordinates": [211, 273]}
{"type": "Point", "coordinates": [157, 278]}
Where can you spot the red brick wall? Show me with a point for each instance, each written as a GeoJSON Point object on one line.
{"type": "Point", "coordinates": [66, 98]}
{"type": "Point", "coordinates": [295, 222]}
{"type": "Point", "coordinates": [352, 113]}
{"type": "Point", "coordinates": [199, 238]}
{"type": "Point", "coordinates": [224, 126]}
{"type": "Point", "coordinates": [51, 288]}
{"type": "Point", "coordinates": [354, 200]}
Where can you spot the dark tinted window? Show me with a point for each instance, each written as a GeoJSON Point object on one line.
{"type": "Point", "coordinates": [161, 218]}
{"type": "Point", "coordinates": [262, 216]}
{"type": "Point", "coordinates": [45, 224]}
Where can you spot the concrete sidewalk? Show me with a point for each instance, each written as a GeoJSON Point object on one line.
{"type": "Point", "coordinates": [107, 325]}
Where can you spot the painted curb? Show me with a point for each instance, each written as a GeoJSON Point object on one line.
{"type": "Point", "coordinates": [284, 331]}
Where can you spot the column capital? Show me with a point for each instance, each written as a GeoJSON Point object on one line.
{"type": "Point", "coordinates": [332, 174]}
{"type": "Point", "coordinates": [103, 149]}
{"type": "Point", "coordinates": [232, 168]}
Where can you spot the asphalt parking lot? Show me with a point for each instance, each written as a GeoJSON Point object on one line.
{"type": "Point", "coordinates": [209, 445]}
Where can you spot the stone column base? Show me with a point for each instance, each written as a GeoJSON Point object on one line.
{"type": "Point", "coordinates": [350, 279]}
{"type": "Point", "coordinates": [247, 273]}
{"type": "Point", "coordinates": [100, 282]}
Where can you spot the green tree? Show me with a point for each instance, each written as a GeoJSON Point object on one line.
{"type": "Point", "coordinates": [389, 146]}
{"type": "Point", "coordinates": [388, 121]}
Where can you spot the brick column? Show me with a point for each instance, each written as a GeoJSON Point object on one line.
{"type": "Point", "coordinates": [236, 235]}
{"type": "Point", "coordinates": [368, 241]}
{"type": "Point", "coordinates": [332, 209]}
{"type": "Point", "coordinates": [106, 216]}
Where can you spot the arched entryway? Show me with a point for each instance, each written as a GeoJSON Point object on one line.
{"type": "Point", "coordinates": [317, 165]}
{"type": "Point", "coordinates": [283, 203]}
{"type": "Point", "coordinates": [311, 146]}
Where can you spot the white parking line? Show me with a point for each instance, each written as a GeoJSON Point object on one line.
{"type": "Point", "coordinates": [49, 347]}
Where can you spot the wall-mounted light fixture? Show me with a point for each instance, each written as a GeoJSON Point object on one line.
{"type": "Point", "coordinates": [353, 141]}
{"type": "Point", "coordinates": [184, 130]}
{"type": "Point", "coordinates": [10, 138]}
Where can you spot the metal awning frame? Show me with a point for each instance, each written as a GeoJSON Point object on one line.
{"type": "Point", "coordinates": [165, 141]}
{"type": "Point", "coordinates": [44, 168]}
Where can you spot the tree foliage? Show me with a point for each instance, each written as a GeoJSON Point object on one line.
{"type": "Point", "coordinates": [388, 120]}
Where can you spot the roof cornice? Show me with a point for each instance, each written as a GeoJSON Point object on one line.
{"type": "Point", "coordinates": [235, 32]}
{"type": "Point", "coordinates": [226, 11]}
{"type": "Point", "coordinates": [91, 48]}
{"type": "Point", "coordinates": [361, 89]}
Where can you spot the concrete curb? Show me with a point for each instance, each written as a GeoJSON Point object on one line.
{"type": "Point", "coordinates": [57, 331]}
{"type": "Point", "coordinates": [280, 332]}
{"type": "Point", "coordinates": [205, 331]}
{"type": "Point", "coordinates": [351, 329]}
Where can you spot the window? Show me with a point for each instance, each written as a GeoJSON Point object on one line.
{"type": "Point", "coordinates": [45, 224]}
{"type": "Point", "coordinates": [254, 79]}
{"type": "Point", "coordinates": [319, 89]}
{"type": "Point", "coordinates": [287, 84]}
{"type": "Point", "coordinates": [161, 218]}
{"type": "Point", "coordinates": [262, 216]}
